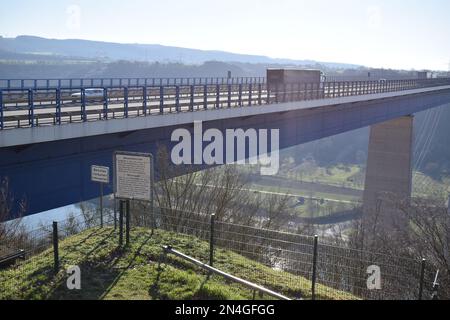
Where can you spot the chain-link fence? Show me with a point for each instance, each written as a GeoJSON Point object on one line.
{"type": "Point", "coordinates": [315, 267]}
{"type": "Point", "coordinates": [334, 270]}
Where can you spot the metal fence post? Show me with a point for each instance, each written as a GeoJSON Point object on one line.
{"type": "Point", "coordinates": [211, 241]}
{"type": "Point", "coordinates": [115, 214]}
{"type": "Point", "coordinates": [55, 247]}
{"type": "Point", "coordinates": [127, 234]}
{"type": "Point", "coordinates": [314, 270]}
{"type": "Point", "coordinates": [121, 222]}
{"type": "Point", "coordinates": [422, 278]}
{"type": "Point", "coordinates": [101, 205]}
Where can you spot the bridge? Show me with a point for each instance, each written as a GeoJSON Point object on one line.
{"type": "Point", "coordinates": [52, 131]}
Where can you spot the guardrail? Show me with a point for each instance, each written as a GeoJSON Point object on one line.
{"type": "Point", "coordinates": [36, 107]}
{"type": "Point", "coordinates": [248, 284]}
{"type": "Point", "coordinates": [119, 82]}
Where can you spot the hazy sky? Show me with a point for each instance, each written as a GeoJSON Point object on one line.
{"type": "Point", "coordinates": [378, 33]}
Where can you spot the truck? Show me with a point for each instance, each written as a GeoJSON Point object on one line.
{"type": "Point", "coordinates": [291, 78]}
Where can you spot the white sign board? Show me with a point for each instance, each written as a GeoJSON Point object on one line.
{"type": "Point", "coordinates": [133, 176]}
{"type": "Point", "coordinates": [100, 174]}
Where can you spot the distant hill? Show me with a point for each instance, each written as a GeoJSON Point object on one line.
{"type": "Point", "coordinates": [25, 46]}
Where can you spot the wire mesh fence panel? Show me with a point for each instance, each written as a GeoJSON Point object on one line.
{"type": "Point", "coordinates": [280, 261]}
{"type": "Point", "coordinates": [368, 275]}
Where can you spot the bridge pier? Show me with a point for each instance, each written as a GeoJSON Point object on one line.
{"type": "Point", "coordinates": [389, 170]}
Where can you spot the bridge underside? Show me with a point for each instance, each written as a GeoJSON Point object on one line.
{"type": "Point", "coordinates": [53, 174]}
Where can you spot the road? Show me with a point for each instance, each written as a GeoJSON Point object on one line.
{"type": "Point", "coordinates": [274, 181]}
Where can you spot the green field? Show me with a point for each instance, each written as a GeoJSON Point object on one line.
{"type": "Point", "coordinates": [313, 208]}
{"type": "Point", "coordinates": [141, 273]}
{"type": "Point", "coordinates": [352, 176]}
{"type": "Point", "coordinates": [349, 176]}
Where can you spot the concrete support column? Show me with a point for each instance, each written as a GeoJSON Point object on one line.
{"type": "Point", "coordinates": [389, 167]}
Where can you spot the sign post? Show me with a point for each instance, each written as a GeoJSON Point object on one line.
{"type": "Point", "coordinates": [101, 175]}
{"type": "Point", "coordinates": [133, 180]}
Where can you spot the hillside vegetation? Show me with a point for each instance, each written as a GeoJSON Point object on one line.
{"type": "Point", "coordinates": [142, 271]}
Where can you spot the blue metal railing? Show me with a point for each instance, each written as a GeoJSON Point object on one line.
{"type": "Point", "coordinates": [1, 110]}
{"type": "Point", "coordinates": [120, 82]}
{"type": "Point", "coordinates": [35, 107]}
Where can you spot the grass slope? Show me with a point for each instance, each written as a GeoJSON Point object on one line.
{"type": "Point", "coordinates": [141, 272]}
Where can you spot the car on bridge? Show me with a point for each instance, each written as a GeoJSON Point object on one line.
{"type": "Point", "coordinates": [92, 94]}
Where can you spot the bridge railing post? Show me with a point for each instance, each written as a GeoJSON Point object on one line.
{"type": "Point", "coordinates": [144, 98]}
{"type": "Point", "coordinates": [125, 103]}
{"type": "Point", "coordinates": [177, 98]}
{"type": "Point", "coordinates": [240, 95]}
{"type": "Point", "coordinates": [250, 94]}
{"type": "Point", "coordinates": [105, 103]}
{"type": "Point", "coordinates": [30, 108]}
{"type": "Point", "coordinates": [161, 99]}
{"type": "Point", "coordinates": [205, 96]}
{"type": "Point", "coordinates": [83, 105]}
{"type": "Point", "coordinates": [259, 94]}
{"type": "Point", "coordinates": [217, 94]}
{"type": "Point", "coordinates": [58, 106]}
{"type": "Point", "coordinates": [192, 94]}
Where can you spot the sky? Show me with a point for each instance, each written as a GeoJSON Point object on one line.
{"type": "Point", "coordinates": [401, 34]}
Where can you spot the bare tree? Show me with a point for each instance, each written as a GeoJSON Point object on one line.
{"type": "Point", "coordinates": [12, 232]}
{"type": "Point", "coordinates": [429, 237]}
{"type": "Point", "coordinates": [422, 231]}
